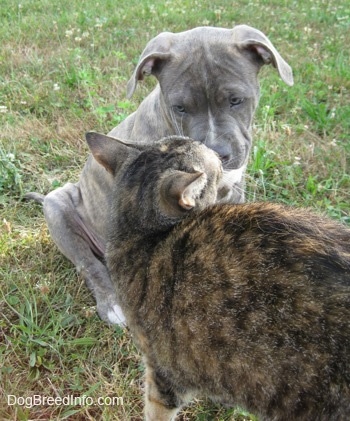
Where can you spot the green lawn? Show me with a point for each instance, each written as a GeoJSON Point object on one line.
{"type": "Point", "coordinates": [63, 71]}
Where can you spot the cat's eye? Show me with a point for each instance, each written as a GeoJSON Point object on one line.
{"type": "Point", "coordinates": [234, 101]}
{"type": "Point", "coordinates": [179, 109]}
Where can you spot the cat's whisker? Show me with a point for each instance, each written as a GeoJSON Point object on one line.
{"type": "Point", "coordinates": [182, 130]}
{"type": "Point", "coordinates": [179, 129]}
{"type": "Point", "coordinates": [173, 119]}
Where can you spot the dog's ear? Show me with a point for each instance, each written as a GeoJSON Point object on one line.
{"type": "Point", "coordinates": [152, 59]}
{"type": "Point", "coordinates": [179, 191]}
{"type": "Point", "coordinates": [252, 39]}
{"type": "Point", "coordinates": [109, 151]}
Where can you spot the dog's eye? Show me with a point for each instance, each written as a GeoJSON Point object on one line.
{"type": "Point", "coordinates": [180, 109]}
{"type": "Point", "coordinates": [234, 101]}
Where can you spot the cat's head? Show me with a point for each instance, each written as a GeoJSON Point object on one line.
{"type": "Point", "coordinates": [159, 183]}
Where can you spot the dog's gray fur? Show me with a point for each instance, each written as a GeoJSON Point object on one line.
{"type": "Point", "coordinates": [208, 90]}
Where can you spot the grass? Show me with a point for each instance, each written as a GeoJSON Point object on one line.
{"type": "Point", "coordinates": [63, 71]}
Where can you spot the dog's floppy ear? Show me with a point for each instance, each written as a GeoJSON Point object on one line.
{"type": "Point", "coordinates": [153, 57]}
{"type": "Point", "coordinates": [252, 39]}
{"type": "Point", "coordinates": [109, 151]}
{"type": "Point", "coordinates": [179, 190]}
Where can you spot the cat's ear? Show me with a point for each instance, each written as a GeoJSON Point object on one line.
{"type": "Point", "coordinates": [181, 189]}
{"type": "Point", "coordinates": [109, 151]}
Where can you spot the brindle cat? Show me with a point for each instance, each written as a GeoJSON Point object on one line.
{"type": "Point", "coordinates": [246, 304]}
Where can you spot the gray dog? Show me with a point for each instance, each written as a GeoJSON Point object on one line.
{"type": "Point", "coordinates": [208, 90]}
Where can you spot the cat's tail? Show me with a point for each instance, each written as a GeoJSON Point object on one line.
{"type": "Point", "coordinates": [34, 196]}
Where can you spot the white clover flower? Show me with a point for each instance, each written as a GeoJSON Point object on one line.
{"type": "Point", "coordinates": [3, 109]}
{"type": "Point", "coordinates": [56, 87]}
{"type": "Point", "coordinates": [89, 311]}
{"type": "Point", "coordinates": [287, 129]}
{"type": "Point", "coordinates": [7, 226]}
{"type": "Point", "coordinates": [43, 287]}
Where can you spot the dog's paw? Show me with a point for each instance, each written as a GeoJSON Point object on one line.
{"type": "Point", "coordinates": [110, 312]}
{"type": "Point", "coordinates": [116, 316]}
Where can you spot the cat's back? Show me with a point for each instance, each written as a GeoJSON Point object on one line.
{"type": "Point", "coordinates": [263, 251]}
{"type": "Point", "coordinates": [255, 307]}
{"type": "Point", "coordinates": [267, 234]}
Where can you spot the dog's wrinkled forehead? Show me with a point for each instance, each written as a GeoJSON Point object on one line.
{"type": "Point", "coordinates": [210, 58]}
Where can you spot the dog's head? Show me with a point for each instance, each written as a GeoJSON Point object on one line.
{"type": "Point", "coordinates": [209, 87]}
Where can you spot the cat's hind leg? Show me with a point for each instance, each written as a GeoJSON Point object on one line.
{"type": "Point", "coordinates": [162, 403]}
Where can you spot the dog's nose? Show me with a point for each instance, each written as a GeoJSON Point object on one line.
{"type": "Point", "coordinates": [231, 161]}
{"type": "Point", "coordinates": [223, 151]}
{"type": "Point", "coordinates": [231, 158]}
{"type": "Point", "coordinates": [225, 158]}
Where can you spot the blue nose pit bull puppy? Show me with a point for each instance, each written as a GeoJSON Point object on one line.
{"type": "Point", "coordinates": [208, 90]}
